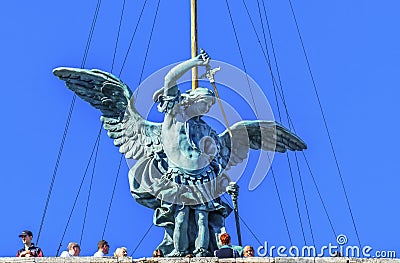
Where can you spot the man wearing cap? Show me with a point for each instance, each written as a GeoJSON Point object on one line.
{"type": "Point", "coordinates": [29, 249]}
{"type": "Point", "coordinates": [73, 250]}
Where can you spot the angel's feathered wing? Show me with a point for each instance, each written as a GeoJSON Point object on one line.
{"type": "Point", "coordinates": [135, 136]}
{"type": "Point", "coordinates": [257, 135]}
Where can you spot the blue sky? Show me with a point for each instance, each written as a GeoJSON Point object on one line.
{"type": "Point", "coordinates": [353, 50]}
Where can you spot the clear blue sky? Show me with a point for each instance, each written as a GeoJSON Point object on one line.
{"type": "Point", "coordinates": [353, 48]}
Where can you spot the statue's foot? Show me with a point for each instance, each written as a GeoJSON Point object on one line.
{"type": "Point", "coordinates": [202, 252]}
{"type": "Point", "coordinates": [176, 253]}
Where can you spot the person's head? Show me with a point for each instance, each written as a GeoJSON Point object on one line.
{"type": "Point", "coordinates": [158, 253]}
{"type": "Point", "coordinates": [336, 254]}
{"type": "Point", "coordinates": [26, 237]}
{"type": "Point", "coordinates": [248, 251]}
{"type": "Point", "coordinates": [74, 249]}
{"type": "Point", "coordinates": [225, 239]}
{"type": "Point", "coordinates": [121, 252]}
{"type": "Point", "coordinates": [198, 101]}
{"type": "Point", "coordinates": [103, 246]}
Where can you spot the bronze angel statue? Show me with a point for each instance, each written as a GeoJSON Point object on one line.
{"type": "Point", "coordinates": [182, 163]}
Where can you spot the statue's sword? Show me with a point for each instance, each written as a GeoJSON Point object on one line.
{"type": "Point", "coordinates": [210, 76]}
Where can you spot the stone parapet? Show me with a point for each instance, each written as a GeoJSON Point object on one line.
{"type": "Point", "coordinates": [199, 260]}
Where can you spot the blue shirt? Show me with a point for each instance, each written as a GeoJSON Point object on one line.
{"type": "Point", "coordinates": [226, 252]}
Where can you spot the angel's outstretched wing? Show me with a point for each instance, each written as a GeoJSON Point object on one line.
{"type": "Point", "coordinates": [258, 134]}
{"type": "Point", "coordinates": [131, 132]}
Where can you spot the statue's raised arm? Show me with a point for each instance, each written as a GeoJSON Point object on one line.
{"type": "Point", "coordinates": [170, 87]}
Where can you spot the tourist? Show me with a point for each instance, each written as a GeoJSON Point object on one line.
{"type": "Point", "coordinates": [29, 249]}
{"type": "Point", "coordinates": [336, 254]}
{"type": "Point", "coordinates": [248, 252]}
{"type": "Point", "coordinates": [73, 250]}
{"type": "Point", "coordinates": [158, 254]}
{"type": "Point", "coordinates": [121, 252]}
{"type": "Point", "coordinates": [226, 250]}
{"type": "Point", "coordinates": [103, 249]}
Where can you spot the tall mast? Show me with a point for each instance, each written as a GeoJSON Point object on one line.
{"type": "Point", "coordinates": [193, 33]}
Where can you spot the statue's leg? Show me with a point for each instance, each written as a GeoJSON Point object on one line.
{"type": "Point", "coordinates": [216, 223]}
{"type": "Point", "coordinates": [167, 245]}
{"type": "Point", "coordinates": [181, 238]}
{"type": "Point", "coordinates": [203, 234]}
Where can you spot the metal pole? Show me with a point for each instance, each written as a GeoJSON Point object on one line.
{"type": "Point", "coordinates": [234, 196]}
{"type": "Point", "coordinates": [193, 32]}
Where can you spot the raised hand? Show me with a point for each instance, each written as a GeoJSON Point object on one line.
{"type": "Point", "coordinates": [233, 189]}
{"type": "Point", "coordinates": [203, 58]}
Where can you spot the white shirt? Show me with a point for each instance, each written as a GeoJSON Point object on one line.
{"type": "Point", "coordinates": [99, 254]}
{"type": "Point", "coordinates": [66, 254]}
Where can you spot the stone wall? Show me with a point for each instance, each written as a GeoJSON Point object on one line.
{"type": "Point", "coordinates": [198, 260]}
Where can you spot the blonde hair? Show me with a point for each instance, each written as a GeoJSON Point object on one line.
{"type": "Point", "coordinates": [72, 244]}
{"type": "Point", "coordinates": [119, 250]}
